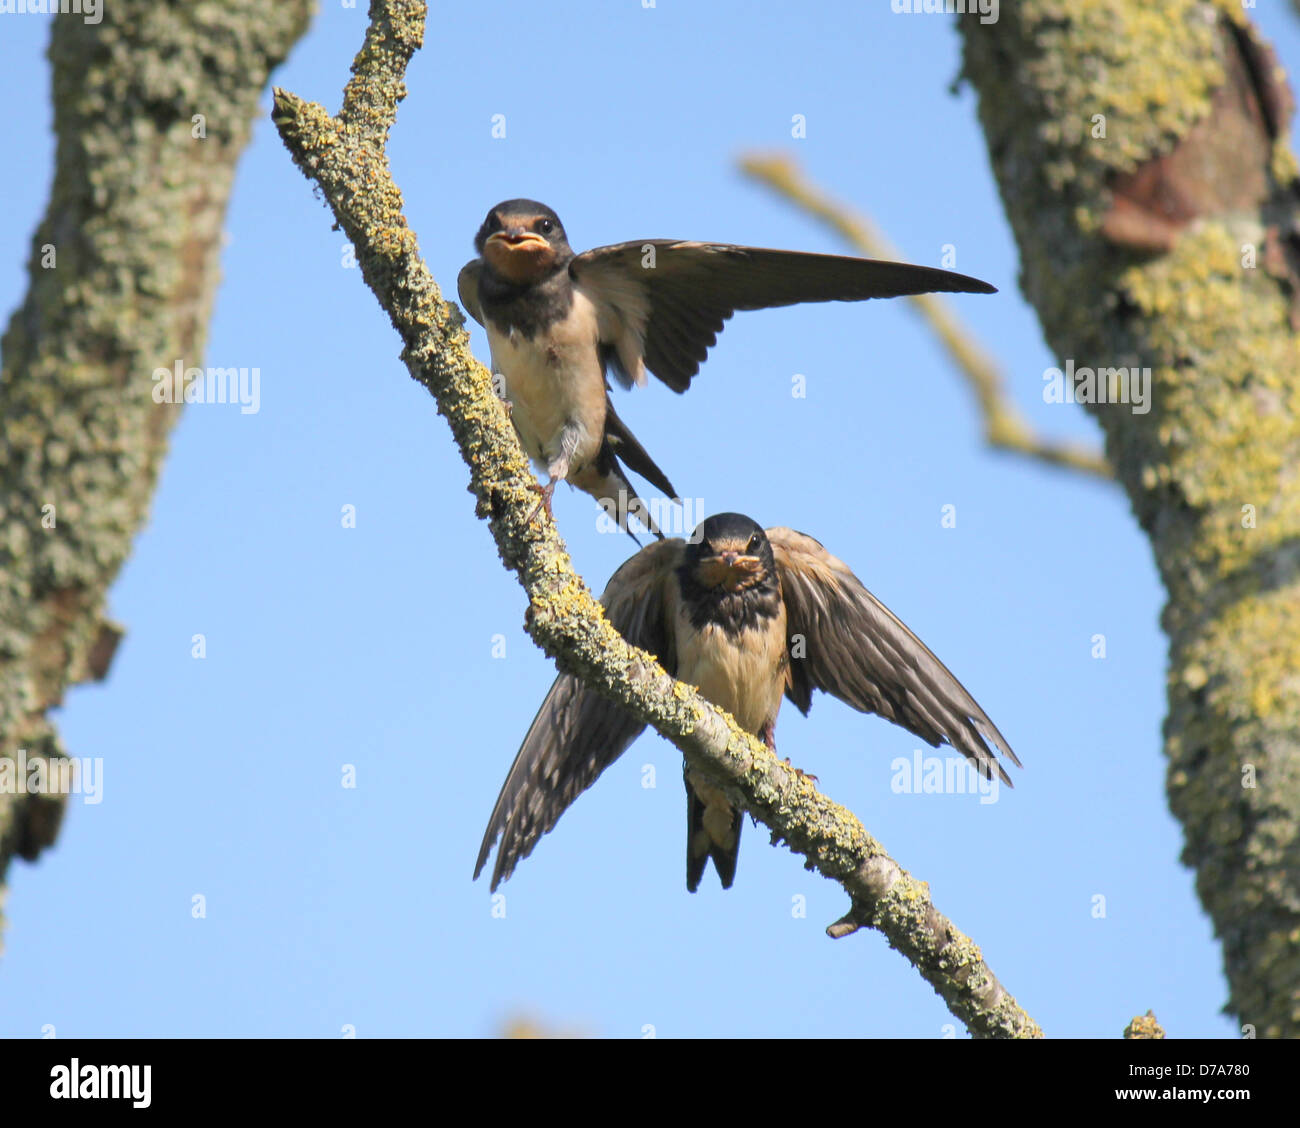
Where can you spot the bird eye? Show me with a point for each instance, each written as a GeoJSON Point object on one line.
{"type": "Point", "coordinates": [754, 542]}
{"type": "Point", "coordinates": [546, 227]}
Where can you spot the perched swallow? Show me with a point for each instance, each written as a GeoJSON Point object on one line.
{"type": "Point", "coordinates": [559, 324]}
{"type": "Point", "coordinates": [747, 616]}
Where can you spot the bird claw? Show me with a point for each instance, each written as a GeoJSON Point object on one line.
{"type": "Point", "coordinates": [799, 771]}
{"type": "Point", "coordinates": [547, 491]}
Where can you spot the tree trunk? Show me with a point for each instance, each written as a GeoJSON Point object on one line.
{"type": "Point", "coordinates": [1142, 157]}
{"type": "Point", "coordinates": [152, 108]}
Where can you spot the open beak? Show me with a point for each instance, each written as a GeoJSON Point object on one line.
{"type": "Point", "coordinates": [515, 240]}
{"type": "Point", "coordinates": [730, 570]}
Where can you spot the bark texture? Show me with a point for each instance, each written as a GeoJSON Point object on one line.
{"type": "Point", "coordinates": [345, 156]}
{"type": "Point", "coordinates": [1143, 161]}
{"type": "Point", "coordinates": [123, 269]}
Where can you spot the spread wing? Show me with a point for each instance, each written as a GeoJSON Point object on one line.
{"type": "Point", "coordinates": [577, 733]}
{"type": "Point", "coordinates": [663, 302]}
{"type": "Point", "coordinates": [467, 288]}
{"type": "Point", "coordinates": [855, 648]}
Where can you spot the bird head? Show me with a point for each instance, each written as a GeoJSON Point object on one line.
{"type": "Point", "coordinates": [523, 241]}
{"type": "Point", "coordinates": [729, 552]}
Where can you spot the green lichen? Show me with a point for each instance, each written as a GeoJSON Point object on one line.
{"type": "Point", "coordinates": [1209, 469]}
{"type": "Point", "coordinates": [134, 218]}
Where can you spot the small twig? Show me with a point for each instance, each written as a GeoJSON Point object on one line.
{"type": "Point", "coordinates": [1004, 426]}
{"type": "Point", "coordinates": [347, 160]}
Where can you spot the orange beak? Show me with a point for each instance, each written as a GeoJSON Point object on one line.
{"type": "Point", "coordinates": [730, 570]}
{"type": "Point", "coordinates": [518, 240]}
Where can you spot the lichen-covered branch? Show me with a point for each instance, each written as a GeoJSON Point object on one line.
{"type": "Point", "coordinates": [1145, 1027]}
{"type": "Point", "coordinates": [1005, 428]}
{"type": "Point", "coordinates": [345, 157]}
{"type": "Point", "coordinates": [1143, 161]}
{"type": "Point", "coordinates": [151, 110]}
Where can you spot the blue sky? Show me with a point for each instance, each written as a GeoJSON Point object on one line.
{"type": "Point", "coordinates": [328, 906]}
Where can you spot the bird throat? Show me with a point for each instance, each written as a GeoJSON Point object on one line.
{"type": "Point", "coordinates": [734, 609]}
{"type": "Point", "coordinates": [529, 307]}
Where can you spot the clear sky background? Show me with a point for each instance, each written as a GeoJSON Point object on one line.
{"type": "Point", "coordinates": [374, 646]}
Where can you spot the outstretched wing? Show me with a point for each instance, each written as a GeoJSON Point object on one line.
{"type": "Point", "coordinates": [577, 733]}
{"type": "Point", "coordinates": [663, 302]}
{"type": "Point", "coordinates": [855, 648]}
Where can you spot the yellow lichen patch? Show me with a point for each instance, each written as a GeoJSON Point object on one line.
{"type": "Point", "coordinates": [909, 889]}
{"type": "Point", "coordinates": [1146, 71]}
{"type": "Point", "coordinates": [1256, 643]}
{"type": "Point", "coordinates": [1228, 390]}
{"type": "Point", "coordinates": [1263, 700]}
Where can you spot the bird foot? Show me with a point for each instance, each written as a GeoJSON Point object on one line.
{"type": "Point", "coordinates": [547, 492]}
{"type": "Point", "coordinates": [799, 771]}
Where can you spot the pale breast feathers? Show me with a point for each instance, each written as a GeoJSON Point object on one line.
{"type": "Point", "coordinates": [744, 674]}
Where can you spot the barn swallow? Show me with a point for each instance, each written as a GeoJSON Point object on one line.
{"type": "Point", "coordinates": [748, 616]}
{"type": "Point", "coordinates": [560, 324]}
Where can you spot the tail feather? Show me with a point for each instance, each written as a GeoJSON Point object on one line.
{"type": "Point", "coordinates": [625, 445]}
{"type": "Point", "coordinates": [604, 479]}
{"type": "Point", "coordinates": [712, 831]}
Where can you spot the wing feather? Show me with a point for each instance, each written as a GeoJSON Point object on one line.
{"type": "Point", "coordinates": [678, 305]}
{"type": "Point", "coordinates": [856, 649]}
{"type": "Point", "coordinates": [578, 733]}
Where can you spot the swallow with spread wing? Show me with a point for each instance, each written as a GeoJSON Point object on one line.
{"type": "Point", "coordinates": [748, 616]}
{"type": "Point", "coordinates": [559, 324]}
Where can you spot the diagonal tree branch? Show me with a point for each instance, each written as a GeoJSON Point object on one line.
{"type": "Point", "coordinates": [1005, 428]}
{"type": "Point", "coordinates": [345, 156]}
{"type": "Point", "coordinates": [152, 109]}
